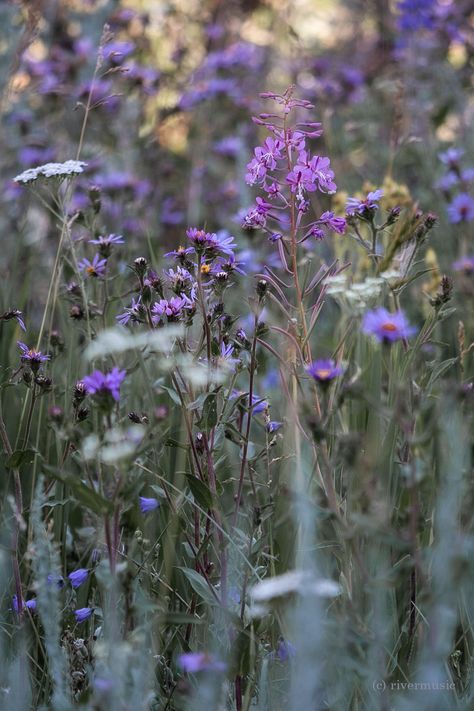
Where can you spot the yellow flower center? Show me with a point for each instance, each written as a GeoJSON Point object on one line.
{"type": "Point", "coordinates": [389, 327]}
{"type": "Point", "coordinates": [90, 271]}
{"type": "Point", "coordinates": [205, 268]}
{"type": "Point", "coordinates": [323, 373]}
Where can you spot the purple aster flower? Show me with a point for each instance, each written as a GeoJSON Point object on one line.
{"type": "Point", "coordinates": [133, 313]}
{"type": "Point", "coordinates": [210, 242]}
{"type": "Point", "coordinates": [363, 207]}
{"type": "Point", "coordinates": [147, 505]}
{"type": "Point", "coordinates": [105, 383]}
{"type": "Point", "coordinates": [464, 264]}
{"type": "Point", "coordinates": [285, 650]}
{"type": "Point", "coordinates": [179, 279]}
{"type": "Point", "coordinates": [31, 356]}
{"type": "Point", "coordinates": [78, 577]}
{"type": "Point", "coordinates": [180, 254]}
{"type": "Point", "coordinates": [83, 614]}
{"type": "Point", "coordinates": [14, 314]}
{"type": "Point", "coordinates": [461, 209]}
{"type": "Point", "coordinates": [193, 662]}
{"type": "Point", "coordinates": [226, 355]}
{"type": "Point", "coordinates": [106, 242]}
{"type": "Point", "coordinates": [96, 268]}
{"type": "Point", "coordinates": [385, 326]}
{"type": "Point", "coordinates": [172, 309]}
{"type": "Point", "coordinates": [324, 370]}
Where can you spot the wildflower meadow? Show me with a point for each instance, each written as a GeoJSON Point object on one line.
{"type": "Point", "coordinates": [236, 355]}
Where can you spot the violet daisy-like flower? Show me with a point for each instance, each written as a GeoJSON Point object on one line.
{"type": "Point", "coordinates": [31, 356]}
{"type": "Point", "coordinates": [370, 204]}
{"type": "Point", "coordinates": [324, 370]}
{"type": "Point", "coordinates": [14, 314]}
{"type": "Point", "coordinates": [461, 209]}
{"type": "Point", "coordinates": [179, 279]}
{"type": "Point", "coordinates": [78, 577]}
{"type": "Point", "coordinates": [98, 383]}
{"type": "Point", "coordinates": [83, 614]}
{"type": "Point", "coordinates": [385, 326]}
{"type": "Point", "coordinates": [171, 309]}
{"type": "Point", "coordinates": [106, 242]}
{"type": "Point", "coordinates": [464, 264]}
{"type": "Point", "coordinates": [147, 505]}
{"type": "Point", "coordinates": [96, 268]}
{"type": "Point", "coordinates": [133, 313]}
{"type": "Point", "coordinates": [180, 254]}
{"type": "Point", "coordinates": [211, 243]}
{"type": "Point", "coordinates": [193, 662]}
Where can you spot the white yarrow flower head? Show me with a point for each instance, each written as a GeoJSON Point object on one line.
{"type": "Point", "coordinates": [295, 581]}
{"type": "Point", "coordinates": [51, 170]}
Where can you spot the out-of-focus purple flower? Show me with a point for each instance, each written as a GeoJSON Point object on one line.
{"type": "Point", "coordinates": [461, 209]}
{"type": "Point", "coordinates": [464, 264]}
{"type": "Point", "coordinates": [57, 580]}
{"type": "Point", "coordinates": [116, 52]}
{"type": "Point", "coordinates": [324, 370]}
{"type": "Point", "coordinates": [98, 383]}
{"type": "Point", "coordinates": [366, 206]}
{"type": "Point", "coordinates": [78, 577]}
{"type": "Point", "coordinates": [229, 146]}
{"type": "Point", "coordinates": [148, 504]}
{"type": "Point", "coordinates": [170, 214]}
{"type": "Point", "coordinates": [385, 326]}
{"type": "Point", "coordinates": [451, 157]}
{"type": "Point", "coordinates": [285, 650]}
{"type": "Point", "coordinates": [273, 426]}
{"type": "Point", "coordinates": [83, 614]}
{"type": "Point", "coordinates": [447, 181]}
{"type": "Point", "coordinates": [31, 356]}
{"type": "Point", "coordinates": [233, 595]}
{"type": "Point", "coordinates": [14, 314]}
{"type": "Point", "coordinates": [96, 268]}
{"type": "Point", "coordinates": [30, 156]}
{"type": "Point", "coordinates": [193, 662]}
{"type": "Point", "coordinates": [29, 604]}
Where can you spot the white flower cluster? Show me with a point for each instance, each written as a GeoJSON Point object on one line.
{"type": "Point", "coordinates": [51, 170]}
{"type": "Point", "coordinates": [361, 294]}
